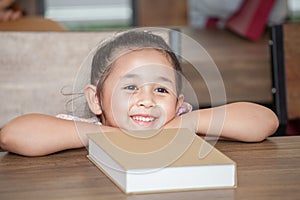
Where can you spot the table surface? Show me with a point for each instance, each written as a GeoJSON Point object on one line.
{"type": "Point", "coordinates": [266, 170]}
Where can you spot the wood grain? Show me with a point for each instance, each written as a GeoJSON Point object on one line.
{"type": "Point", "coordinates": [292, 60]}
{"type": "Point", "coordinates": [161, 13]}
{"type": "Point", "coordinates": [266, 170]}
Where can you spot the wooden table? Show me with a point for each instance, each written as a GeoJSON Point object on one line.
{"type": "Point", "coordinates": [267, 170]}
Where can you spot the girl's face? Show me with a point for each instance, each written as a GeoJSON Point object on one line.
{"type": "Point", "coordinates": [140, 91]}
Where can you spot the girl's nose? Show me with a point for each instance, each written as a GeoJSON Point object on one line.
{"type": "Point", "coordinates": [145, 98]}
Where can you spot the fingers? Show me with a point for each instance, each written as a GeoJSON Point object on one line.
{"type": "Point", "coordinates": [4, 4]}
{"type": "Point", "coordinates": [7, 15]}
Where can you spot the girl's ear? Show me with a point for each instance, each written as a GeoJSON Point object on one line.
{"type": "Point", "coordinates": [180, 101]}
{"type": "Point", "coordinates": [90, 92]}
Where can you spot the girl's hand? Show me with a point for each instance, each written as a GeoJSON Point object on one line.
{"type": "Point", "coordinates": [7, 13]}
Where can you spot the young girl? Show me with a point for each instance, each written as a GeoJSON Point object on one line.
{"type": "Point", "coordinates": [135, 85]}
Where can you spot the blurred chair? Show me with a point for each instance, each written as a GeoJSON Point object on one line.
{"type": "Point", "coordinates": [31, 24]}
{"type": "Point", "coordinates": [285, 60]}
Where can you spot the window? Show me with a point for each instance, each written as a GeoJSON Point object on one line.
{"type": "Point", "coordinates": [294, 10]}
{"type": "Point", "coordinates": [90, 14]}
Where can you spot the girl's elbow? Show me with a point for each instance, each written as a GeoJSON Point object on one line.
{"type": "Point", "coordinates": [11, 141]}
{"type": "Point", "coordinates": [273, 124]}
{"type": "Point", "coordinates": [5, 139]}
{"type": "Point", "coordinates": [267, 129]}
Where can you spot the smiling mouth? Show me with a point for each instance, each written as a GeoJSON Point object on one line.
{"type": "Point", "coordinates": [143, 120]}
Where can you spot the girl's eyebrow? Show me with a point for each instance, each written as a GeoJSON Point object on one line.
{"type": "Point", "coordinates": [165, 79]}
{"type": "Point", "coordinates": [130, 76]}
{"type": "Point", "coordinates": [157, 79]}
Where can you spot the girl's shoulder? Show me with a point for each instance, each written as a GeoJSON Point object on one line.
{"type": "Point", "coordinates": [185, 108]}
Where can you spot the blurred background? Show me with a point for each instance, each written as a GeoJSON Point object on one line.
{"type": "Point", "coordinates": [90, 15]}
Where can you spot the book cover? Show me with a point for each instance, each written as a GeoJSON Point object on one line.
{"type": "Point", "coordinates": [161, 160]}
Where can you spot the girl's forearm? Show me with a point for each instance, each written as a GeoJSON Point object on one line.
{"type": "Point", "coordinates": [242, 121]}
{"type": "Point", "coordinates": [238, 121]}
{"type": "Point", "coordinates": [37, 134]}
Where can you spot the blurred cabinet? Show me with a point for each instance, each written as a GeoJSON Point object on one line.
{"type": "Point", "coordinates": [31, 7]}
{"type": "Point", "coordinates": [159, 12]}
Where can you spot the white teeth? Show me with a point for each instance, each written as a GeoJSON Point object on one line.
{"type": "Point", "coordinates": [143, 119]}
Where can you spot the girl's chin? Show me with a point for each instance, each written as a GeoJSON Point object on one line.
{"type": "Point", "coordinates": [139, 127]}
{"type": "Point", "coordinates": [146, 125]}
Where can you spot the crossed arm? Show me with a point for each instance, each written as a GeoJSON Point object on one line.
{"type": "Point", "coordinates": [37, 134]}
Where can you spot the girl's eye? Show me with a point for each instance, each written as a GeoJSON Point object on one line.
{"type": "Point", "coordinates": [131, 87]}
{"type": "Point", "coordinates": [161, 90]}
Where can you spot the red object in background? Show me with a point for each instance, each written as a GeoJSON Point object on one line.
{"type": "Point", "coordinates": [251, 18]}
{"type": "Point", "coordinates": [212, 22]}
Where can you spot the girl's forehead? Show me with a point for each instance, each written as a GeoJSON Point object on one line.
{"type": "Point", "coordinates": [149, 71]}
{"type": "Point", "coordinates": [144, 57]}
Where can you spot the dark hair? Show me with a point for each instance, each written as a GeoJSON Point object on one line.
{"type": "Point", "coordinates": [123, 43]}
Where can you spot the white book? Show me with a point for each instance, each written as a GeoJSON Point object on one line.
{"type": "Point", "coordinates": [162, 160]}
